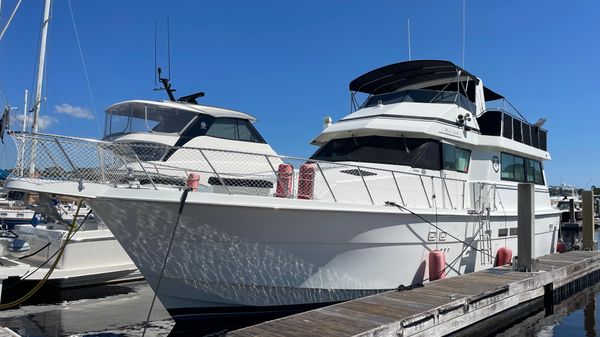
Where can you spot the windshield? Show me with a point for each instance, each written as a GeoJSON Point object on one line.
{"type": "Point", "coordinates": [414, 152]}
{"type": "Point", "coordinates": [134, 118]}
{"type": "Point", "coordinates": [419, 96]}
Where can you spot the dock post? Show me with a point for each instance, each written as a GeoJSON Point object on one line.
{"type": "Point", "coordinates": [588, 220]}
{"type": "Point", "coordinates": [526, 226]}
{"type": "Point", "coordinates": [549, 299]}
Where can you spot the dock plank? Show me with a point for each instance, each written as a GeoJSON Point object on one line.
{"type": "Point", "coordinates": [438, 307]}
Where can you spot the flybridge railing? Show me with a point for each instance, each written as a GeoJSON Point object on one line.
{"type": "Point", "coordinates": [51, 158]}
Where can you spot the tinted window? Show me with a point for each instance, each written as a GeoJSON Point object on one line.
{"type": "Point", "coordinates": [490, 123]}
{"type": "Point", "coordinates": [517, 131]}
{"type": "Point", "coordinates": [508, 167]}
{"type": "Point", "coordinates": [526, 134]}
{"type": "Point", "coordinates": [519, 167]}
{"type": "Point", "coordinates": [507, 127]}
{"type": "Point", "coordinates": [247, 133]}
{"type": "Point", "coordinates": [543, 144]}
{"type": "Point", "coordinates": [462, 160]}
{"type": "Point", "coordinates": [455, 159]}
{"type": "Point", "coordinates": [535, 137]}
{"type": "Point", "coordinates": [538, 177]}
{"type": "Point", "coordinates": [420, 96]}
{"type": "Point", "coordinates": [449, 156]}
{"type": "Point", "coordinates": [414, 152]}
{"type": "Point", "coordinates": [234, 129]}
{"type": "Point", "coordinates": [223, 128]}
{"type": "Point", "coordinates": [515, 168]}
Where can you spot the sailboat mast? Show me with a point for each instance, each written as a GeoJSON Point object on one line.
{"type": "Point", "coordinates": [37, 104]}
{"type": "Point", "coordinates": [41, 67]}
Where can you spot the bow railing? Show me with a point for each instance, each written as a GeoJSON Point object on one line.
{"type": "Point", "coordinates": [52, 158]}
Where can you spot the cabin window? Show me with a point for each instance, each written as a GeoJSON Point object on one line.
{"type": "Point", "coordinates": [517, 136]}
{"type": "Point", "coordinates": [535, 137]}
{"type": "Point", "coordinates": [462, 160]}
{"type": "Point", "coordinates": [234, 129]}
{"type": "Point", "coordinates": [414, 152]}
{"type": "Point", "coordinates": [543, 144]}
{"type": "Point", "coordinates": [135, 118]}
{"type": "Point", "coordinates": [526, 134]}
{"type": "Point", "coordinates": [507, 127]}
{"type": "Point", "coordinates": [508, 170]}
{"type": "Point", "coordinates": [515, 168]}
{"type": "Point", "coordinates": [449, 153]}
{"type": "Point", "coordinates": [490, 123]}
{"type": "Point", "coordinates": [223, 128]}
{"type": "Point", "coordinates": [455, 159]}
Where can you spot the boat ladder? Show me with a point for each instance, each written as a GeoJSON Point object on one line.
{"type": "Point", "coordinates": [485, 236]}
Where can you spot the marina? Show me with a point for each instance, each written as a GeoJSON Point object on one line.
{"type": "Point", "coordinates": [429, 207]}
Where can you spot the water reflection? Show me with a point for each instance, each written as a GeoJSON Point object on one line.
{"type": "Point", "coordinates": [113, 310]}
{"type": "Point", "coordinates": [575, 316]}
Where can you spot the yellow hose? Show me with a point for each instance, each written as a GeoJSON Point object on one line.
{"type": "Point", "coordinates": [43, 280]}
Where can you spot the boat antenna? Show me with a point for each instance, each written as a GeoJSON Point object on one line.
{"type": "Point", "coordinates": [166, 85]}
{"type": "Point", "coordinates": [463, 32]}
{"type": "Point", "coordinates": [169, 44]}
{"type": "Point", "coordinates": [155, 43]}
{"type": "Point", "coordinates": [165, 81]}
{"type": "Point", "coordinates": [408, 31]}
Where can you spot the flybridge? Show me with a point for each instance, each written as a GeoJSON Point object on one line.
{"type": "Point", "coordinates": [436, 81]}
{"type": "Point", "coordinates": [441, 76]}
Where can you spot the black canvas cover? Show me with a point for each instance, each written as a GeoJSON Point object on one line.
{"type": "Point", "coordinates": [400, 75]}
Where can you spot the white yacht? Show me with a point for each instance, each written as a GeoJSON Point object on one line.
{"type": "Point", "coordinates": [420, 165]}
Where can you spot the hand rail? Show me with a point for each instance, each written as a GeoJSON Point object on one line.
{"type": "Point", "coordinates": [326, 182]}
{"type": "Point", "coordinates": [81, 187]}
{"type": "Point", "coordinates": [238, 172]}
{"type": "Point", "coordinates": [448, 193]}
{"type": "Point", "coordinates": [425, 190]}
{"type": "Point", "coordinates": [215, 171]}
{"type": "Point", "coordinates": [144, 169]}
{"type": "Point", "coordinates": [398, 188]}
{"type": "Point", "coordinates": [364, 182]}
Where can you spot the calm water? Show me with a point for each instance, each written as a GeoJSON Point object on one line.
{"type": "Point", "coordinates": [575, 316]}
{"type": "Point", "coordinates": [120, 310]}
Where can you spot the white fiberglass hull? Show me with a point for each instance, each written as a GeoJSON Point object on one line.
{"type": "Point", "coordinates": [238, 251]}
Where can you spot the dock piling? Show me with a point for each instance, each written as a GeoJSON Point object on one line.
{"type": "Point", "coordinates": [526, 226]}
{"type": "Point", "coordinates": [588, 220]}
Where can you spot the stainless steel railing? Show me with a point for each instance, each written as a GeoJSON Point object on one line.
{"type": "Point", "coordinates": [45, 157]}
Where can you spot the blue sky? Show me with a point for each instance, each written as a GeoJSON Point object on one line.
{"type": "Point", "coordinates": [289, 62]}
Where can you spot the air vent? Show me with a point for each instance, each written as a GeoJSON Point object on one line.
{"type": "Point", "coordinates": [357, 172]}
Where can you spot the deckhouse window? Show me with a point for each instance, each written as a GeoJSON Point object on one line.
{"type": "Point", "coordinates": [234, 129]}
{"type": "Point", "coordinates": [515, 168]}
{"type": "Point", "coordinates": [456, 159]}
{"type": "Point", "coordinates": [133, 118]}
{"type": "Point", "coordinates": [414, 152]}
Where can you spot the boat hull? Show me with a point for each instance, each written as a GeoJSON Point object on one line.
{"type": "Point", "coordinates": [241, 251]}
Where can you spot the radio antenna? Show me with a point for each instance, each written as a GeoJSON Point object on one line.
{"type": "Point", "coordinates": [155, 66]}
{"type": "Point", "coordinates": [409, 51]}
{"type": "Point", "coordinates": [463, 32]}
{"type": "Point", "coordinates": [169, 44]}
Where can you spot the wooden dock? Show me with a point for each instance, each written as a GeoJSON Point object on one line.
{"type": "Point", "coordinates": [445, 306]}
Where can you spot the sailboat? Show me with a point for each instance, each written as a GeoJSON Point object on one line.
{"type": "Point", "coordinates": [91, 256]}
